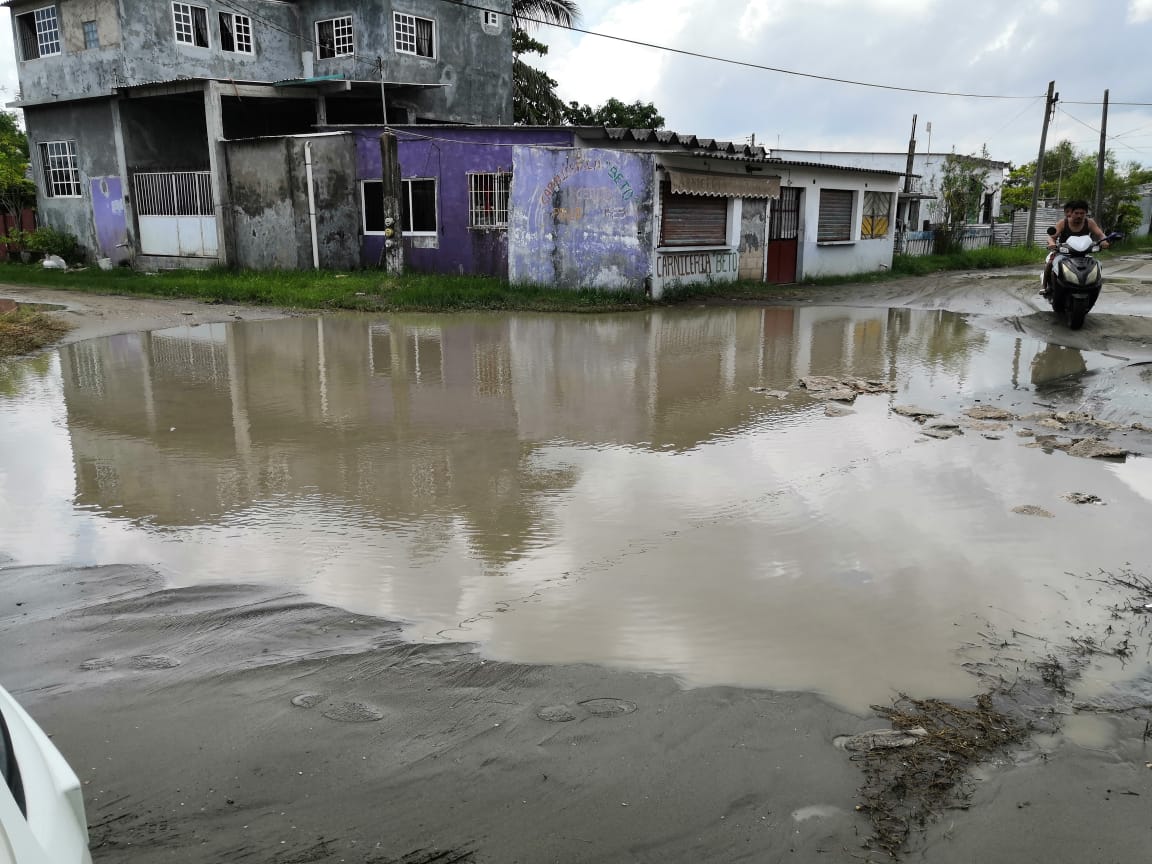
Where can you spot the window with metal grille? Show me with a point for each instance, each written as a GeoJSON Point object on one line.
{"type": "Point", "coordinates": [414, 35]}
{"type": "Point", "coordinates": [91, 34]}
{"type": "Point", "coordinates": [835, 219]}
{"type": "Point", "coordinates": [488, 200]}
{"type": "Point", "coordinates": [876, 216]}
{"type": "Point", "coordinates": [692, 220]}
{"type": "Point", "coordinates": [61, 177]}
{"type": "Point", "coordinates": [191, 24]}
{"type": "Point", "coordinates": [235, 33]}
{"type": "Point", "coordinates": [417, 205]}
{"type": "Point", "coordinates": [334, 38]}
{"type": "Point", "coordinates": [39, 33]}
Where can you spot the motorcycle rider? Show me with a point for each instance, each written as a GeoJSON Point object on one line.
{"type": "Point", "coordinates": [1075, 223]}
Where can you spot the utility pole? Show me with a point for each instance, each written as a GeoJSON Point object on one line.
{"type": "Point", "coordinates": [1100, 160]}
{"type": "Point", "coordinates": [1049, 105]}
{"type": "Point", "coordinates": [911, 157]}
{"type": "Point", "coordinates": [383, 90]}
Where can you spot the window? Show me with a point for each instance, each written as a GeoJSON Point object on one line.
{"type": "Point", "coordinates": [835, 220]}
{"type": "Point", "coordinates": [418, 206]}
{"type": "Point", "coordinates": [877, 212]}
{"type": "Point", "coordinates": [334, 38]}
{"type": "Point", "coordinates": [39, 33]}
{"type": "Point", "coordinates": [692, 220]}
{"type": "Point", "coordinates": [91, 35]}
{"type": "Point", "coordinates": [61, 179]}
{"type": "Point", "coordinates": [191, 23]}
{"type": "Point", "coordinates": [414, 35]}
{"type": "Point", "coordinates": [235, 33]}
{"type": "Point", "coordinates": [488, 200]}
{"type": "Point", "coordinates": [491, 19]}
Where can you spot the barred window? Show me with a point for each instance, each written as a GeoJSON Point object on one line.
{"type": "Point", "coordinates": [488, 200]}
{"type": "Point", "coordinates": [91, 35]}
{"type": "Point", "coordinates": [61, 177]}
{"type": "Point", "coordinates": [334, 38]}
{"type": "Point", "coordinates": [235, 33]}
{"type": "Point", "coordinates": [877, 213]}
{"type": "Point", "coordinates": [191, 24]}
{"type": "Point", "coordinates": [491, 19]}
{"type": "Point", "coordinates": [414, 35]}
{"type": "Point", "coordinates": [39, 33]}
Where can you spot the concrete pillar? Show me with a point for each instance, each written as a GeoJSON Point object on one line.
{"type": "Point", "coordinates": [392, 258]}
{"type": "Point", "coordinates": [129, 192]}
{"type": "Point", "coordinates": [218, 168]}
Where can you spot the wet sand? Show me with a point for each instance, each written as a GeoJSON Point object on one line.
{"type": "Point", "coordinates": [230, 723]}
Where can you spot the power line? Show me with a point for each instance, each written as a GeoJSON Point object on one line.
{"type": "Point", "coordinates": [1097, 131]}
{"type": "Point", "coordinates": [744, 63]}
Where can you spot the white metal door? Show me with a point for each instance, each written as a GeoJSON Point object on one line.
{"type": "Point", "coordinates": [175, 212]}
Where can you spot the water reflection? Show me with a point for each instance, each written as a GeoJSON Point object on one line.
{"type": "Point", "coordinates": [612, 479]}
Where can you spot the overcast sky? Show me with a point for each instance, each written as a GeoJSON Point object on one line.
{"type": "Point", "coordinates": [995, 47]}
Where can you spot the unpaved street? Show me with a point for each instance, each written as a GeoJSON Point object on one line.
{"type": "Point", "coordinates": [505, 588]}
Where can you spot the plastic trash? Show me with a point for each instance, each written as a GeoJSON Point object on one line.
{"type": "Point", "coordinates": [54, 262]}
{"type": "Point", "coordinates": [104, 263]}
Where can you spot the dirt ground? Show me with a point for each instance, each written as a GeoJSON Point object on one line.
{"type": "Point", "coordinates": [215, 724]}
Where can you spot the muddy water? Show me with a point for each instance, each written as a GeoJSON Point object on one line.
{"type": "Point", "coordinates": [589, 488]}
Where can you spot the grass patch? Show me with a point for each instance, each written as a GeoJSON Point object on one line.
{"type": "Point", "coordinates": [362, 290]}
{"type": "Point", "coordinates": [23, 331]}
{"type": "Point", "coordinates": [974, 259]}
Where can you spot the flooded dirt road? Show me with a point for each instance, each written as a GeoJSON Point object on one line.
{"type": "Point", "coordinates": [615, 495]}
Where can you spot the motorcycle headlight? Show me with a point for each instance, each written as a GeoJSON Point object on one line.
{"type": "Point", "coordinates": [1093, 274]}
{"type": "Point", "coordinates": [1069, 274]}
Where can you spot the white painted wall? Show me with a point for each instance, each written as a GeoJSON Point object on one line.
{"type": "Point", "coordinates": [929, 166]}
{"type": "Point", "coordinates": [846, 257]}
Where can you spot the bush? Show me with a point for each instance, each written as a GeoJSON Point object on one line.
{"type": "Point", "coordinates": [49, 241]}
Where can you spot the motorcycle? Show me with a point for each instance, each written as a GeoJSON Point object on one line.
{"type": "Point", "coordinates": [1074, 282]}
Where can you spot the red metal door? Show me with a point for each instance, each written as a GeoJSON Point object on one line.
{"type": "Point", "coordinates": [783, 235]}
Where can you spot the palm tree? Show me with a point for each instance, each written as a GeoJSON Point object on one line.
{"type": "Point", "coordinates": [534, 99]}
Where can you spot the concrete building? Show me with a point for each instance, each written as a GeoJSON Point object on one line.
{"type": "Point", "coordinates": [127, 104]}
{"type": "Point", "coordinates": [921, 203]}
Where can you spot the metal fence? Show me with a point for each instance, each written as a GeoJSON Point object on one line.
{"type": "Point", "coordinates": [969, 237]}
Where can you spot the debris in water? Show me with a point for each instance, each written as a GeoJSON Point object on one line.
{"type": "Point", "coordinates": [917, 414]}
{"type": "Point", "coordinates": [988, 412]}
{"type": "Point", "coordinates": [831, 410]}
{"type": "Point", "coordinates": [607, 707]}
{"type": "Point", "coordinates": [1053, 424]}
{"type": "Point", "coordinates": [1031, 510]}
{"type": "Point", "coordinates": [829, 387]}
{"type": "Point", "coordinates": [881, 739]}
{"type": "Point", "coordinates": [1097, 448]}
{"type": "Point", "coordinates": [1083, 498]}
{"type": "Point", "coordinates": [556, 714]}
{"type": "Point", "coordinates": [941, 434]}
{"type": "Point", "coordinates": [775, 394]}
{"type": "Point", "coordinates": [988, 425]}
{"type": "Point", "coordinates": [1052, 442]}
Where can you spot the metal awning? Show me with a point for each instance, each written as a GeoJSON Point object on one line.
{"type": "Point", "coordinates": [723, 185]}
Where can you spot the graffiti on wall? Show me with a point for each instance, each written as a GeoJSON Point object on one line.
{"type": "Point", "coordinates": [601, 202]}
{"type": "Point", "coordinates": [679, 265]}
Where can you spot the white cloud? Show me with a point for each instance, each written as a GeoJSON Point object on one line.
{"type": "Point", "coordinates": [1139, 11]}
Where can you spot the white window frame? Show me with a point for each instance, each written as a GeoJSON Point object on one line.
{"type": "Point", "coordinates": [46, 25]}
{"type": "Point", "coordinates": [482, 184]}
{"type": "Point", "coordinates": [184, 24]}
{"type": "Point", "coordinates": [90, 28]}
{"type": "Point", "coordinates": [242, 42]}
{"type": "Point", "coordinates": [60, 171]}
{"type": "Point", "coordinates": [404, 35]}
{"type": "Point", "coordinates": [406, 191]}
{"type": "Point", "coordinates": [491, 19]}
{"type": "Point", "coordinates": [343, 37]}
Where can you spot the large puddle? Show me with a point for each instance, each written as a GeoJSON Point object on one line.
{"type": "Point", "coordinates": [588, 488]}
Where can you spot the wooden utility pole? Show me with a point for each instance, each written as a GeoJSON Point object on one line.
{"type": "Point", "coordinates": [1100, 160]}
{"type": "Point", "coordinates": [1049, 105]}
{"type": "Point", "coordinates": [911, 157]}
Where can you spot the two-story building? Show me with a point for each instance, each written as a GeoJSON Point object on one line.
{"type": "Point", "coordinates": [127, 103]}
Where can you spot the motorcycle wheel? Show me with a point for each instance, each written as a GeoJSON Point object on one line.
{"type": "Point", "coordinates": [1077, 312]}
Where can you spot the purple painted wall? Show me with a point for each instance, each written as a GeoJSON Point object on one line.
{"type": "Point", "coordinates": [449, 154]}
{"type": "Point", "coordinates": [110, 219]}
{"type": "Point", "coordinates": [582, 218]}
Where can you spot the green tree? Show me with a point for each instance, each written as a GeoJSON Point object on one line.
{"type": "Point", "coordinates": [534, 99]}
{"type": "Point", "coordinates": [16, 190]}
{"type": "Point", "coordinates": [616, 114]}
{"type": "Point", "coordinates": [963, 183]}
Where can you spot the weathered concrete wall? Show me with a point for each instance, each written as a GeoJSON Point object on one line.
{"type": "Point", "coordinates": [75, 72]}
{"type": "Point", "coordinates": [269, 185]}
{"type": "Point", "coordinates": [470, 78]}
{"type": "Point", "coordinates": [89, 124]}
{"type": "Point", "coordinates": [449, 155]}
{"type": "Point", "coordinates": [753, 236]}
{"type": "Point", "coordinates": [581, 218]}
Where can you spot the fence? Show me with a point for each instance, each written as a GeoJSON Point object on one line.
{"type": "Point", "coordinates": [969, 237]}
{"type": "Point", "coordinates": [25, 220]}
